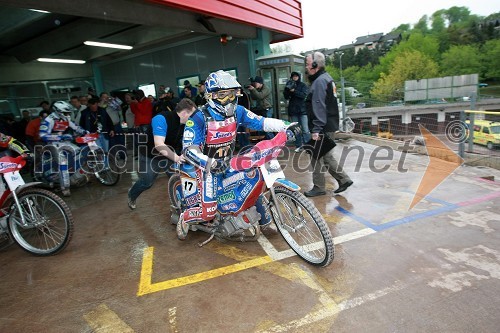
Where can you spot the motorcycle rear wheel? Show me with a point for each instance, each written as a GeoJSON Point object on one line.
{"type": "Point", "coordinates": [49, 222]}
{"type": "Point", "coordinates": [303, 227]}
{"type": "Point", "coordinates": [175, 195]}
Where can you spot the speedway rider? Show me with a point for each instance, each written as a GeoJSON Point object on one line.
{"type": "Point", "coordinates": [9, 142]}
{"type": "Point", "coordinates": [208, 142]}
{"type": "Point", "coordinates": [55, 130]}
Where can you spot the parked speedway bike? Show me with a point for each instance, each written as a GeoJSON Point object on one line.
{"type": "Point", "coordinates": [36, 219]}
{"type": "Point", "coordinates": [88, 160]}
{"type": "Point", "coordinates": [252, 174]}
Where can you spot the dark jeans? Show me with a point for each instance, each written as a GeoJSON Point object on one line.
{"type": "Point", "coordinates": [148, 170]}
{"type": "Point", "coordinates": [118, 140]}
{"type": "Point", "coordinates": [305, 134]}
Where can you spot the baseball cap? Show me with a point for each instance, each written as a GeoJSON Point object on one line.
{"type": "Point", "coordinates": [257, 79]}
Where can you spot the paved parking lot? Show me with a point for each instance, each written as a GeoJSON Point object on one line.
{"type": "Point", "coordinates": [435, 268]}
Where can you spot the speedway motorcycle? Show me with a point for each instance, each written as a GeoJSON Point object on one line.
{"type": "Point", "coordinates": [76, 168]}
{"type": "Point", "coordinates": [251, 175]}
{"type": "Point", "coordinates": [38, 220]}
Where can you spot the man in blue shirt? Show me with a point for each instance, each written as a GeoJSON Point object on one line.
{"type": "Point", "coordinates": [162, 147]}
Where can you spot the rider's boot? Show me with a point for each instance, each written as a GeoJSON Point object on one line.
{"type": "Point", "coordinates": [182, 228]}
{"type": "Point", "coordinates": [65, 192]}
{"type": "Point", "coordinates": [174, 216]}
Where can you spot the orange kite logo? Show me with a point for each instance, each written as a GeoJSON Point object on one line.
{"type": "Point", "coordinates": [442, 162]}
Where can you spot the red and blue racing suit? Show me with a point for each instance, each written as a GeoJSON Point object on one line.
{"type": "Point", "coordinates": [210, 136]}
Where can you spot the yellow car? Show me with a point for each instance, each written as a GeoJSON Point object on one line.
{"type": "Point", "coordinates": [486, 133]}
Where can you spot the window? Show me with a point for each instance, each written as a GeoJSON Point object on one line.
{"type": "Point", "coordinates": [486, 130]}
{"type": "Point", "coordinates": [495, 129]}
{"type": "Point", "coordinates": [193, 80]}
{"type": "Point", "coordinates": [148, 88]}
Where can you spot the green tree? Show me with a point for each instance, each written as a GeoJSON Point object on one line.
{"type": "Point", "coordinates": [422, 25]}
{"type": "Point", "coordinates": [457, 14]}
{"type": "Point", "coordinates": [348, 58]}
{"type": "Point", "coordinates": [402, 28]}
{"type": "Point", "coordinates": [461, 59]}
{"type": "Point", "coordinates": [490, 56]}
{"type": "Point", "coordinates": [408, 65]}
{"type": "Point", "coordinates": [427, 45]}
{"type": "Point", "coordinates": [438, 22]}
{"type": "Point", "coordinates": [366, 56]}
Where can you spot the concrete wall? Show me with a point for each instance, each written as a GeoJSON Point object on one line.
{"type": "Point", "coordinates": [167, 65]}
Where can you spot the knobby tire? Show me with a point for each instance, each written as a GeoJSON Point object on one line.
{"type": "Point", "coordinates": [49, 226]}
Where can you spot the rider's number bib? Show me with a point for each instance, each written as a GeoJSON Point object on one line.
{"type": "Point", "coordinates": [13, 179]}
{"type": "Point", "coordinates": [271, 171]}
{"type": "Point", "coordinates": [188, 186]}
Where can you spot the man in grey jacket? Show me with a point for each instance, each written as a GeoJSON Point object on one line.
{"type": "Point", "coordinates": [262, 95]}
{"type": "Point", "coordinates": [323, 112]}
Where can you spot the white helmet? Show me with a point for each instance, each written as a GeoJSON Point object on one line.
{"type": "Point", "coordinates": [222, 91]}
{"type": "Point", "coordinates": [62, 108]}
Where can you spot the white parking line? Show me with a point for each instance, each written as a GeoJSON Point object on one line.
{"type": "Point", "coordinates": [277, 255]}
{"type": "Point", "coordinates": [331, 310]}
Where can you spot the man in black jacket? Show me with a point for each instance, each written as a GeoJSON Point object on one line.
{"type": "Point", "coordinates": [323, 112]}
{"type": "Point", "coordinates": [163, 147]}
{"type": "Point", "coordinates": [96, 120]}
{"type": "Point", "coordinates": [296, 92]}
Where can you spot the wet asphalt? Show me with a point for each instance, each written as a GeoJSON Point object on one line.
{"type": "Point", "coordinates": [434, 268]}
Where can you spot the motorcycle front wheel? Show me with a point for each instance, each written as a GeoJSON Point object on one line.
{"type": "Point", "coordinates": [302, 227]}
{"type": "Point", "coordinates": [105, 167]}
{"type": "Point", "coordinates": [49, 222]}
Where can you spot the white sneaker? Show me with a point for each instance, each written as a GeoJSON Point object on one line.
{"type": "Point", "coordinates": [131, 203]}
{"type": "Point", "coordinates": [298, 150]}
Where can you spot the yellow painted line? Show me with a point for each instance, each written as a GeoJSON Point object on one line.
{"type": "Point", "coordinates": [146, 287]}
{"type": "Point", "coordinates": [103, 320]}
{"type": "Point", "coordinates": [325, 311]}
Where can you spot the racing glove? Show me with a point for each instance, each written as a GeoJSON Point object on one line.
{"type": "Point", "coordinates": [292, 131]}
{"type": "Point", "coordinates": [66, 137]}
{"type": "Point", "coordinates": [218, 166]}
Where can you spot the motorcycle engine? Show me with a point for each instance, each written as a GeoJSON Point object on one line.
{"type": "Point", "coordinates": [244, 220]}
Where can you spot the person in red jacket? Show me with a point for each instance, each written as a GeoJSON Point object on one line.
{"type": "Point", "coordinates": [142, 108]}
{"type": "Point", "coordinates": [33, 130]}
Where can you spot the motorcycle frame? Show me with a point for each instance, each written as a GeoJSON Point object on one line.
{"type": "Point", "coordinates": [13, 193]}
{"type": "Point", "coordinates": [79, 160]}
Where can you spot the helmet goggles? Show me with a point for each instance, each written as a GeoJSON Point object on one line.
{"type": "Point", "coordinates": [225, 96]}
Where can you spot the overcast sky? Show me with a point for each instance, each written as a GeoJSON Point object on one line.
{"type": "Point", "coordinates": [330, 24]}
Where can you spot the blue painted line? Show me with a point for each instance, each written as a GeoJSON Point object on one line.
{"type": "Point", "coordinates": [415, 217]}
{"type": "Point", "coordinates": [446, 208]}
{"type": "Point", "coordinates": [432, 199]}
{"type": "Point", "coordinates": [442, 202]}
{"type": "Point", "coordinates": [356, 218]}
